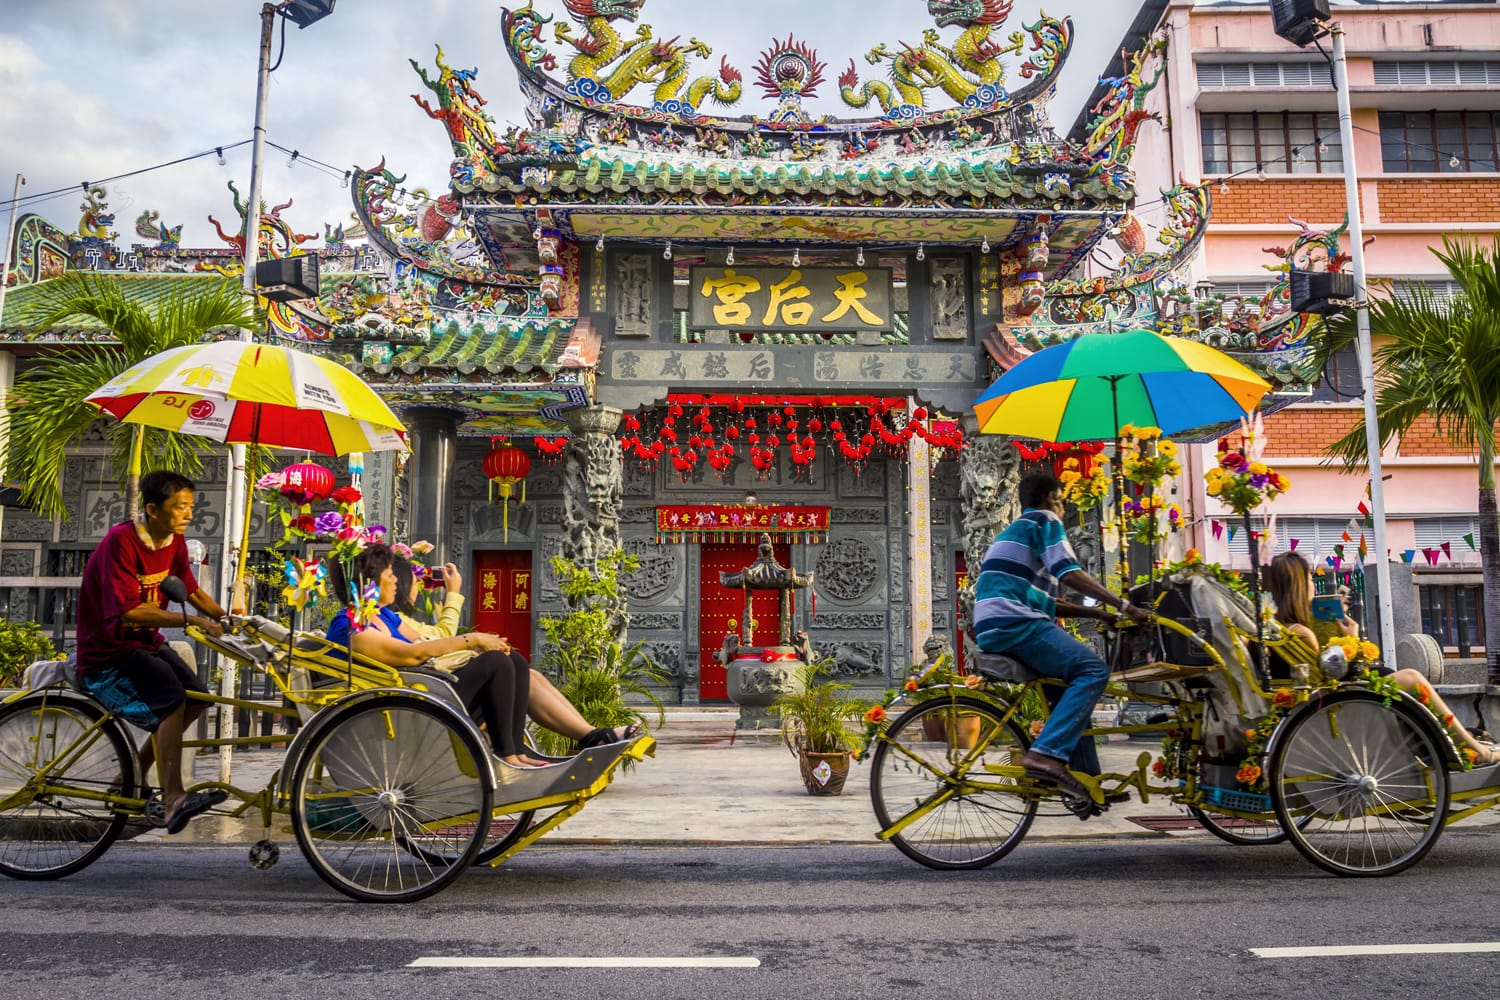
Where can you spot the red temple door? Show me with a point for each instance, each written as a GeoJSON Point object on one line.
{"type": "Point", "coordinates": [502, 597]}
{"type": "Point", "coordinates": [721, 610]}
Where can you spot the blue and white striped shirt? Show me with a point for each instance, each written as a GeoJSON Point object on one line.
{"type": "Point", "coordinates": [1018, 580]}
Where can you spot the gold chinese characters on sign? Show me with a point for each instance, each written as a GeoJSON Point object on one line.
{"type": "Point", "coordinates": [790, 298]}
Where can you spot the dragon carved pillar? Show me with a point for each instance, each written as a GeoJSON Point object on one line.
{"type": "Point", "coordinates": [989, 474]}
{"type": "Point", "coordinates": [593, 485]}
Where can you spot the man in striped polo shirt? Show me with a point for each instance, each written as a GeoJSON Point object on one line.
{"type": "Point", "coordinates": [1015, 602]}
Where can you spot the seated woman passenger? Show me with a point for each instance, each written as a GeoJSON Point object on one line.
{"type": "Point", "coordinates": [546, 704]}
{"type": "Point", "coordinates": [489, 684]}
{"type": "Point", "coordinates": [1290, 580]}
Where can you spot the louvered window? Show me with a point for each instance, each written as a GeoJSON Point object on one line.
{"type": "Point", "coordinates": [1436, 73]}
{"type": "Point", "coordinates": [1298, 74]}
{"type": "Point", "coordinates": [1316, 537]}
{"type": "Point", "coordinates": [1286, 142]}
{"type": "Point", "coordinates": [1432, 532]}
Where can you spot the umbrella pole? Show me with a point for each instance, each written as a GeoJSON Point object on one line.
{"type": "Point", "coordinates": [1119, 484]}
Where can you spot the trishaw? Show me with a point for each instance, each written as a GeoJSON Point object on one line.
{"type": "Point", "coordinates": [1359, 775]}
{"type": "Point", "coordinates": [389, 785]}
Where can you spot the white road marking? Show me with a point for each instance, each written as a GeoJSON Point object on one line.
{"type": "Point", "coordinates": [586, 962]}
{"type": "Point", "coordinates": [1338, 951]}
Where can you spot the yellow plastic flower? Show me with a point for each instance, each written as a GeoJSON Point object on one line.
{"type": "Point", "coordinates": [1215, 487]}
{"type": "Point", "coordinates": [1259, 469]}
{"type": "Point", "coordinates": [1369, 650]}
{"type": "Point", "coordinates": [1168, 447]}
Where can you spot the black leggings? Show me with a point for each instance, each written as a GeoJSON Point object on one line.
{"type": "Point", "coordinates": [497, 692]}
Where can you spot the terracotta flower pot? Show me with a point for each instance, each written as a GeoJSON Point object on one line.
{"type": "Point", "coordinates": [823, 773]}
{"type": "Point", "coordinates": [964, 730]}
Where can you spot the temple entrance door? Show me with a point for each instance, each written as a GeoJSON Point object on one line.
{"type": "Point", "coordinates": [502, 597]}
{"type": "Point", "coordinates": [721, 610]}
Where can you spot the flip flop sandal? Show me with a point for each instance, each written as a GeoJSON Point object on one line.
{"type": "Point", "coordinates": [601, 737]}
{"type": "Point", "coordinates": [194, 804]}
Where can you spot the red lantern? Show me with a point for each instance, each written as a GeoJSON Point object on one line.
{"type": "Point", "coordinates": [306, 483]}
{"type": "Point", "coordinates": [505, 465]}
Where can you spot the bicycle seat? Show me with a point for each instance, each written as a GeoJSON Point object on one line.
{"type": "Point", "coordinates": [999, 667]}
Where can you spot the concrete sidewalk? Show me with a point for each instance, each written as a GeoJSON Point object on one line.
{"type": "Point", "coordinates": [709, 785]}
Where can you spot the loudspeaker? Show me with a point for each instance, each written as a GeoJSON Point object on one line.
{"type": "Point", "coordinates": [288, 278]}
{"type": "Point", "coordinates": [1312, 291]}
{"type": "Point", "coordinates": [1297, 20]}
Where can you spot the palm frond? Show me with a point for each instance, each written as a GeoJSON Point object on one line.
{"type": "Point", "coordinates": [48, 414]}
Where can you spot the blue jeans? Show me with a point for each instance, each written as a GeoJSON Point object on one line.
{"type": "Point", "coordinates": [1052, 652]}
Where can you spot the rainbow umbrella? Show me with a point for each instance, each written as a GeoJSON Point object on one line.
{"type": "Point", "coordinates": [241, 392]}
{"type": "Point", "coordinates": [1087, 389]}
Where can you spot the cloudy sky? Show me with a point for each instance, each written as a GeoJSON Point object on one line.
{"type": "Point", "coordinates": [94, 88]}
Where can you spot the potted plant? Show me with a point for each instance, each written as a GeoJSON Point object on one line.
{"type": "Point", "coordinates": [816, 726]}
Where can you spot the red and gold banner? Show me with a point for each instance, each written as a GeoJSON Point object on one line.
{"type": "Point", "coordinates": [740, 523]}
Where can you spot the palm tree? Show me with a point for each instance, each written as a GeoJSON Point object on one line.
{"type": "Point", "coordinates": [1441, 359]}
{"type": "Point", "coordinates": [47, 409]}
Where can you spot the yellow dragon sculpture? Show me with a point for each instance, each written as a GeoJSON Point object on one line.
{"type": "Point", "coordinates": [972, 62]}
{"type": "Point", "coordinates": [606, 59]}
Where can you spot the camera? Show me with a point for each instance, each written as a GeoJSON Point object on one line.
{"type": "Point", "coordinates": [436, 574]}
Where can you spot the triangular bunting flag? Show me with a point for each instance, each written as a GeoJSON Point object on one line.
{"type": "Point", "coordinates": [1232, 532]}
{"type": "Point", "coordinates": [1407, 555]}
{"type": "Point", "coordinates": [1431, 555]}
{"type": "Point", "coordinates": [1218, 527]}
{"type": "Point", "coordinates": [1347, 537]}
{"type": "Point", "coordinates": [1363, 508]}
{"type": "Point", "coordinates": [1447, 548]}
{"type": "Point", "coordinates": [1364, 550]}
{"type": "Point", "coordinates": [1470, 539]}
{"type": "Point", "coordinates": [1292, 544]}
{"type": "Point", "coordinates": [1338, 550]}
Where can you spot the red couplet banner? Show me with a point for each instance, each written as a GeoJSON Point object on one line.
{"type": "Point", "coordinates": [739, 522]}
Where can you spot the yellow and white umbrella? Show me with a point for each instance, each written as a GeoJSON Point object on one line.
{"type": "Point", "coordinates": [240, 392]}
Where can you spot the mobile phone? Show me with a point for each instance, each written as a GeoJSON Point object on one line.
{"type": "Point", "coordinates": [1328, 609]}
{"type": "Point", "coordinates": [436, 574]}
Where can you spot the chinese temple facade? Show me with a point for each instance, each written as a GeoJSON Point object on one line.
{"type": "Point", "coordinates": [679, 310]}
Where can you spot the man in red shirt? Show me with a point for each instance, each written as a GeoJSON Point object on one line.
{"type": "Point", "coordinates": [122, 660]}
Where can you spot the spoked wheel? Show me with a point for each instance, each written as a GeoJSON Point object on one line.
{"type": "Point", "coordinates": [504, 830]}
{"type": "Point", "coordinates": [55, 755]}
{"type": "Point", "coordinates": [1361, 788]}
{"type": "Point", "coordinates": [390, 802]}
{"type": "Point", "coordinates": [1246, 831]}
{"type": "Point", "coordinates": [926, 768]}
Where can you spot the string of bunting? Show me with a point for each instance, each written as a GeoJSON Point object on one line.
{"type": "Point", "coordinates": [740, 523]}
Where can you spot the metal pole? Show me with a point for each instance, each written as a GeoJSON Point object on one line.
{"type": "Point", "coordinates": [1366, 355]}
{"type": "Point", "coordinates": [236, 499]}
{"type": "Point", "coordinates": [10, 232]}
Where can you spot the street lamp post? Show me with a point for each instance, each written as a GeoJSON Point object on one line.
{"type": "Point", "coordinates": [236, 491]}
{"type": "Point", "coordinates": [1301, 22]}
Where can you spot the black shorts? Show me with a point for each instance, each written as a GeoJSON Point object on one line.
{"type": "Point", "coordinates": [143, 687]}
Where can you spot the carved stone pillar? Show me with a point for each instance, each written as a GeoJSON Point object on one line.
{"type": "Point", "coordinates": [593, 484]}
{"type": "Point", "coordinates": [434, 448]}
{"type": "Point", "coordinates": [989, 475]}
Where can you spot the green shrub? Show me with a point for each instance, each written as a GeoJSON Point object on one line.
{"type": "Point", "coordinates": [22, 644]}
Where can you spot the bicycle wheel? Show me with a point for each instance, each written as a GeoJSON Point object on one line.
{"type": "Point", "coordinates": [46, 739]}
{"type": "Point", "coordinates": [1246, 831]}
{"type": "Point", "coordinates": [389, 803]}
{"type": "Point", "coordinates": [1360, 788]}
{"type": "Point", "coordinates": [504, 830]}
{"type": "Point", "coordinates": [924, 768]}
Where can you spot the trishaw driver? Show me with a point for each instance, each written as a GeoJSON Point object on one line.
{"type": "Point", "coordinates": [1015, 602]}
{"type": "Point", "coordinates": [122, 660]}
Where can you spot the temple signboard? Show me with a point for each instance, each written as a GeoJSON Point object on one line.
{"type": "Point", "coordinates": [831, 299]}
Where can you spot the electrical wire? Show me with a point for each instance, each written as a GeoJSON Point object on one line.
{"type": "Point", "coordinates": [28, 199]}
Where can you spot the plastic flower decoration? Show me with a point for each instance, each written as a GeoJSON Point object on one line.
{"type": "Point", "coordinates": [1242, 485]}
{"type": "Point", "coordinates": [1085, 492]}
{"type": "Point", "coordinates": [304, 578]}
{"type": "Point", "coordinates": [1145, 458]}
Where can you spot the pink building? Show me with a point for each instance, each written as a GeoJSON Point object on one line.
{"type": "Point", "coordinates": [1240, 104]}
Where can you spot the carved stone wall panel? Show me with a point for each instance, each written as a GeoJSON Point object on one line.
{"type": "Point", "coordinates": [666, 655]}
{"type": "Point", "coordinates": [658, 580]}
{"type": "Point", "coordinates": [632, 275]}
{"type": "Point", "coordinates": [20, 562]}
{"type": "Point", "coordinates": [849, 620]}
{"type": "Point", "coordinates": [639, 480]}
{"type": "Point", "coordinates": [24, 526]}
{"type": "Point", "coordinates": [854, 658]}
{"type": "Point", "coordinates": [869, 482]}
{"type": "Point", "coordinates": [945, 480]}
{"type": "Point", "coordinates": [849, 568]}
{"type": "Point", "coordinates": [657, 621]}
{"type": "Point", "coordinates": [949, 298]}
{"type": "Point", "coordinates": [856, 515]}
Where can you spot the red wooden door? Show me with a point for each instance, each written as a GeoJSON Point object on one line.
{"type": "Point", "coordinates": [502, 597]}
{"type": "Point", "coordinates": [721, 610]}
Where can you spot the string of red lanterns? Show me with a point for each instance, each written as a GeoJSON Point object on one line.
{"type": "Point", "coordinates": [715, 432]}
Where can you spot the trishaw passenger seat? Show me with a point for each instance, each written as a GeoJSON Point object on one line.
{"type": "Point", "coordinates": [999, 667]}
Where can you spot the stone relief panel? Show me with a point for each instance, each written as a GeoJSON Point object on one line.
{"type": "Point", "coordinates": [24, 526]}
{"type": "Point", "coordinates": [848, 569]}
{"type": "Point", "coordinates": [658, 621]}
{"type": "Point", "coordinates": [855, 659]}
{"type": "Point", "coordinates": [950, 296]}
{"type": "Point", "coordinates": [659, 572]}
{"type": "Point", "coordinates": [856, 515]}
{"type": "Point", "coordinates": [19, 562]}
{"type": "Point", "coordinates": [867, 483]}
{"type": "Point", "coordinates": [639, 480]}
{"type": "Point", "coordinates": [632, 278]}
{"type": "Point", "coordinates": [666, 656]}
{"type": "Point", "coordinates": [945, 480]}
{"type": "Point", "coordinates": [849, 620]}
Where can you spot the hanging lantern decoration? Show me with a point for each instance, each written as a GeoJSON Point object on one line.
{"type": "Point", "coordinates": [505, 465]}
{"type": "Point", "coordinates": [306, 483]}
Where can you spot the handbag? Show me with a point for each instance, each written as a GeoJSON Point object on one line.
{"type": "Point", "coordinates": [449, 662]}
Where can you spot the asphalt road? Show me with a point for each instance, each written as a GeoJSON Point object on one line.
{"type": "Point", "coordinates": [1113, 919]}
